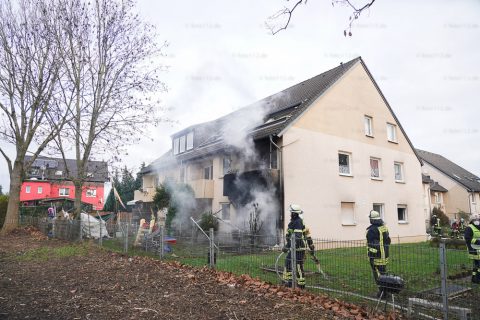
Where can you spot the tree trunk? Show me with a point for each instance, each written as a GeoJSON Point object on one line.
{"type": "Point", "coordinates": [78, 197]}
{"type": "Point", "coordinates": [11, 219]}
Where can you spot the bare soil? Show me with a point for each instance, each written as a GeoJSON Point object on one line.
{"type": "Point", "coordinates": [88, 282]}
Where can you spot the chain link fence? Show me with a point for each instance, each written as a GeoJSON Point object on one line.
{"type": "Point", "coordinates": [436, 274]}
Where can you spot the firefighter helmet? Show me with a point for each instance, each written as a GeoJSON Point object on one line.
{"type": "Point", "coordinates": [374, 215]}
{"type": "Point", "coordinates": [295, 208]}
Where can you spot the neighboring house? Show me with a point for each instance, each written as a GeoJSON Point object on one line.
{"type": "Point", "coordinates": [331, 144]}
{"type": "Point", "coordinates": [47, 180]}
{"type": "Point", "coordinates": [456, 188]}
{"type": "Point", "coordinates": [434, 195]}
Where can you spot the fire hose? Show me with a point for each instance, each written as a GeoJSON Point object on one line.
{"type": "Point", "coordinates": [314, 258]}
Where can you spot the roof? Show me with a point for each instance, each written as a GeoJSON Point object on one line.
{"type": "Point", "coordinates": [269, 116]}
{"type": "Point", "coordinates": [435, 186]}
{"type": "Point", "coordinates": [465, 178]}
{"type": "Point", "coordinates": [48, 168]}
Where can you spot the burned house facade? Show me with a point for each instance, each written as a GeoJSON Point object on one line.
{"type": "Point", "coordinates": [331, 144]}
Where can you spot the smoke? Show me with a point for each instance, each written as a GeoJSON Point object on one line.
{"type": "Point", "coordinates": [183, 200]}
{"type": "Point", "coordinates": [235, 128]}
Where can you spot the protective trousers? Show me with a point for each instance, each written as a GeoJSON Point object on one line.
{"type": "Point", "coordinates": [476, 271]}
{"type": "Point", "coordinates": [287, 271]}
{"type": "Point", "coordinates": [377, 270]}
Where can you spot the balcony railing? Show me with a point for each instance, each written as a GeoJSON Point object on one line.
{"type": "Point", "coordinates": [145, 194]}
{"type": "Point", "coordinates": [202, 188]}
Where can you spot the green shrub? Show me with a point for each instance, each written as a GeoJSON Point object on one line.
{"type": "Point", "coordinates": [208, 221]}
{"type": "Point", "coordinates": [444, 220]}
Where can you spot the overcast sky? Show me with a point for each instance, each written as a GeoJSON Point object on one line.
{"type": "Point", "coordinates": [423, 54]}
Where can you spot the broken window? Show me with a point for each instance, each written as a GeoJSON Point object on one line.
{"type": "Point", "coordinates": [344, 164]}
{"type": "Point", "coordinates": [402, 213]}
{"type": "Point", "coordinates": [227, 164]}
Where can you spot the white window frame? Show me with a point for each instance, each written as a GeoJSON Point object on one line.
{"type": "Point", "coordinates": [64, 192]}
{"type": "Point", "coordinates": [91, 193]}
{"type": "Point", "coordinates": [227, 169]}
{"type": "Point", "coordinates": [176, 145]}
{"type": "Point", "coordinates": [58, 172]}
{"type": "Point", "coordinates": [28, 189]}
{"type": "Point", "coordinates": [39, 189]}
{"type": "Point", "coordinates": [182, 140]}
{"type": "Point", "coordinates": [403, 206]}
{"type": "Point", "coordinates": [379, 162]}
{"type": "Point", "coordinates": [190, 140]}
{"type": "Point", "coordinates": [210, 172]}
{"type": "Point", "coordinates": [402, 171]}
{"type": "Point", "coordinates": [391, 132]}
{"type": "Point", "coordinates": [473, 199]}
{"type": "Point", "coordinates": [368, 123]}
{"type": "Point", "coordinates": [350, 171]}
{"type": "Point", "coordinates": [225, 204]}
{"type": "Point", "coordinates": [381, 211]}
{"type": "Point", "coordinates": [351, 221]}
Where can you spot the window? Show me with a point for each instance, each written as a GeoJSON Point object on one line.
{"type": "Point", "coordinates": [91, 193]}
{"type": "Point", "coordinates": [182, 144]}
{"type": "Point", "coordinates": [39, 190]}
{"type": "Point", "coordinates": [58, 172]}
{"type": "Point", "coordinates": [348, 213]}
{"type": "Point", "coordinates": [208, 173]}
{"type": "Point", "coordinates": [473, 198]}
{"type": "Point", "coordinates": [380, 208]}
{"type": "Point", "coordinates": [274, 159]}
{"type": "Point", "coordinates": [63, 191]}
{"type": "Point", "coordinates": [368, 126]}
{"type": "Point", "coordinates": [227, 163]}
{"type": "Point", "coordinates": [176, 145]}
{"type": "Point", "coordinates": [226, 211]}
{"type": "Point", "coordinates": [438, 197]}
{"type": "Point", "coordinates": [27, 189]}
{"type": "Point", "coordinates": [375, 168]}
{"type": "Point", "coordinates": [344, 164]}
{"type": "Point", "coordinates": [402, 213]}
{"type": "Point", "coordinates": [398, 171]}
{"type": "Point", "coordinates": [190, 140]}
{"type": "Point", "coordinates": [391, 132]}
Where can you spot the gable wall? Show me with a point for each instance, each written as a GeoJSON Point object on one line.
{"type": "Point", "coordinates": [333, 123]}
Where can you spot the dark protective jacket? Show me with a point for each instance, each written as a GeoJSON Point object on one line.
{"type": "Point", "coordinates": [472, 237]}
{"type": "Point", "coordinates": [297, 232]}
{"type": "Point", "coordinates": [378, 243]}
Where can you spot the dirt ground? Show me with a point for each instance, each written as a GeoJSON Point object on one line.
{"type": "Point", "coordinates": [90, 283]}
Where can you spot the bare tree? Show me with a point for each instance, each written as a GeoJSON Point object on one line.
{"type": "Point", "coordinates": [275, 23]}
{"type": "Point", "coordinates": [29, 75]}
{"type": "Point", "coordinates": [112, 78]}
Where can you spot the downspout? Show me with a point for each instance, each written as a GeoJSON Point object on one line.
{"type": "Point", "coordinates": [470, 203]}
{"type": "Point", "coordinates": [280, 176]}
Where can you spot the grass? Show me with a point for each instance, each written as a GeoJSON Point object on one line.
{"type": "Point", "coordinates": [348, 268]}
{"type": "Point", "coordinates": [46, 253]}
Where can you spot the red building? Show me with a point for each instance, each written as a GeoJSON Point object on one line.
{"type": "Point", "coordinates": [48, 178]}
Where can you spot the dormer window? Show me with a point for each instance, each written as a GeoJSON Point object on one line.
{"type": "Point", "coordinates": [183, 143]}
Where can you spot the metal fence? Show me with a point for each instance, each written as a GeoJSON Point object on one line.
{"type": "Point", "coordinates": [436, 274]}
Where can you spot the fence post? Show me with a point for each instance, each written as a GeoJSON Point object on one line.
{"type": "Point", "coordinates": [100, 239]}
{"type": "Point", "coordinates": [125, 248]}
{"type": "Point", "coordinates": [293, 253]}
{"type": "Point", "coordinates": [81, 228]}
{"type": "Point", "coordinates": [162, 243]}
{"type": "Point", "coordinates": [443, 275]}
{"type": "Point", "coordinates": [211, 249]}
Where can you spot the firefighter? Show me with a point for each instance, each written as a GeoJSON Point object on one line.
{"type": "Point", "coordinates": [296, 235]}
{"type": "Point", "coordinates": [437, 229]}
{"type": "Point", "coordinates": [378, 243]}
{"type": "Point", "coordinates": [472, 240]}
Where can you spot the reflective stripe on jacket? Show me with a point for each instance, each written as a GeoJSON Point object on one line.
{"type": "Point", "coordinates": [472, 235]}
{"type": "Point", "coordinates": [378, 243]}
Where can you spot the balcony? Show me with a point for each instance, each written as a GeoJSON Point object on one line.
{"type": "Point", "coordinates": [145, 194]}
{"type": "Point", "coordinates": [202, 188]}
